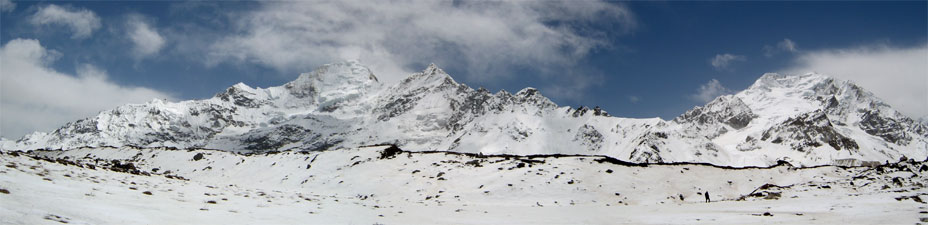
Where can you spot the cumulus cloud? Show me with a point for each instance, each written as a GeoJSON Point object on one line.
{"type": "Point", "coordinates": [35, 97]}
{"type": "Point", "coordinates": [7, 5]}
{"type": "Point", "coordinates": [898, 75]}
{"type": "Point", "coordinates": [81, 21]}
{"type": "Point", "coordinates": [146, 40]}
{"type": "Point", "coordinates": [786, 45]}
{"type": "Point", "coordinates": [480, 37]}
{"type": "Point", "coordinates": [722, 61]}
{"type": "Point", "coordinates": [709, 91]}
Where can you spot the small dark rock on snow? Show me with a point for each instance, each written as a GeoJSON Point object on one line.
{"type": "Point", "coordinates": [198, 157]}
{"type": "Point", "coordinates": [390, 152]}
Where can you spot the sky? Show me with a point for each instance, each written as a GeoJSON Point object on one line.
{"type": "Point", "coordinates": [61, 61]}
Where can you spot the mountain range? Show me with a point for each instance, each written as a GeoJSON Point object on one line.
{"type": "Point", "coordinates": [806, 120]}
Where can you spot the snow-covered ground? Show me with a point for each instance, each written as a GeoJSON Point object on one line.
{"type": "Point", "coordinates": [367, 186]}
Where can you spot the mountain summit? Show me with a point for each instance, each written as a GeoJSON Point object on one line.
{"type": "Point", "coordinates": [808, 119]}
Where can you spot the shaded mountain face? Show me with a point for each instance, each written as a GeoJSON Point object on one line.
{"type": "Point", "coordinates": [806, 119]}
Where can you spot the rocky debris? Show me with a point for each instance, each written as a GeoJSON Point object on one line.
{"type": "Point", "coordinates": [391, 152]}
{"type": "Point", "coordinates": [648, 149]}
{"type": "Point", "coordinates": [766, 192]}
{"type": "Point", "coordinates": [127, 167]}
{"type": "Point", "coordinates": [56, 218]}
{"type": "Point", "coordinates": [588, 136]}
{"type": "Point", "coordinates": [273, 139]}
{"type": "Point", "coordinates": [583, 110]}
{"type": "Point", "coordinates": [913, 197]}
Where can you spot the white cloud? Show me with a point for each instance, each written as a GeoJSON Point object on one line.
{"type": "Point", "coordinates": [899, 76]}
{"type": "Point", "coordinates": [707, 92]}
{"type": "Point", "coordinates": [145, 39]}
{"type": "Point", "coordinates": [81, 21]}
{"type": "Point", "coordinates": [7, 6]}
{"type": "Point", "coordinates": [786, 45]}
{"type": "Point", "coordinates": [634, 99]}
{"type": "Point", "coordinates": [483, 38]}
{"type": "Point", "coordinates": [722, 61]}
{"type": "Point", "coordinates": [34, 97]}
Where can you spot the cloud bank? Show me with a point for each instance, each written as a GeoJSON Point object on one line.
{"type": "Point", "coordinates": [897, 75]}
{"type": "Point", "coordinates": [34, 97]}
{"type": "Point", "coordinates": [82, 22]}
{"type": "Point", "coordinates": [486, 39]}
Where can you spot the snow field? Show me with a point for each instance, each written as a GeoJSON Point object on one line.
{"type": "Point", "coordinates": [356, 186]}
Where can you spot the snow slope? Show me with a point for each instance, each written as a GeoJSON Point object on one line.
{"type": "Point", "coordinates": [367, 186]}
{"type": "Point", "coordinates": [806, 120]}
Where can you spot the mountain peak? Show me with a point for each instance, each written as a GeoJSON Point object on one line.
{"type": "Point", "coordinates": [345, 70]}
{"type": "Point", "coordinates": [430, 76]}
{"type": "Point", "coordinates": [810, 89]}
{"type": "Point", "coordinates": [528, 92]}
{"type": "Point", "coordinates": [433, 69]}
{"type": "Point", "coordinates": [776, 80]}
{"type": "Point", "coordinates": [242, 95]}
{"type": "Point", "coordinates": [242, 86]}
{"type": "Point", "coordinates": [334, 80]}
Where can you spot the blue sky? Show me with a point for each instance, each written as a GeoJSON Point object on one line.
{"type": "Point", "coordinates": [635, 59]}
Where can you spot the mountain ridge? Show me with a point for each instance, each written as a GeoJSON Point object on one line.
{"type": "Point", "coordinates": [807, 119]}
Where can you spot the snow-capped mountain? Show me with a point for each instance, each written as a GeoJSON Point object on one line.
{"type": "Point", "coordinates": [806, 119]}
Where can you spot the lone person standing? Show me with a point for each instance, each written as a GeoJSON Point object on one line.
{"type": "Point", "coordinates": [707, 197]}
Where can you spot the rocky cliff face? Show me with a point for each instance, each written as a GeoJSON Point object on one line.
{"type": "Point", "coordinates": [806, 119]}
